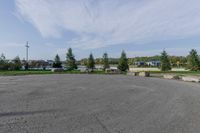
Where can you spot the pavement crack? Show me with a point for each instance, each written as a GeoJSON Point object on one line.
{"type": "Point", "coordinates": [23, 113]}
{"type": "Point", "coordinates": [102, 125]}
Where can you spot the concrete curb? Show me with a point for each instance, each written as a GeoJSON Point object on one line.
{"type": "Point", "coordinates": [191, 79]}
{"type": "Point", "coordinates": [171, 76]}
{"type": "Point", "coordinates": [142, 74]}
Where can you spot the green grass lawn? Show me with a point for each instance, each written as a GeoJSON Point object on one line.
{"type": "Point", "coordinates": [40, 72]}
{"type": "Point", "coordinates": [7, 73]}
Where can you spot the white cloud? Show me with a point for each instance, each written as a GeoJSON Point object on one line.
{"type": "Point", "coordinates": [100, 23]}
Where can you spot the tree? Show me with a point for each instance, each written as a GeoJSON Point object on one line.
{"type": "Point", "coordinates": [105, 61]}
{"type": "Point", "coordinates": [165, 63]}
{"type": "Point", "coordinates": [57, 63]}
{"type": "Point", "coordinates": [193, 62]}
{"type": "Point", "coordinates": [71, 61]}
{"type": "Point", "coordinates": [84, 61]}
{"type": "Point", "coordinates": [16, 64]}
{"type": "Point", "coordinates": [123, 62]}
{"type": "Point", "coordinates": [3, 63]}
{"type": "Point", "coordinates": [130, 61]}
{"type": "Point", "coordinates": [91, 62]}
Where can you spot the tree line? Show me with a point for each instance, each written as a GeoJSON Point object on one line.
{"type": "Point", "coordinates": [176, 61]}
{"type": "Point", "coordinates": [71, 62]}
{"type": "Point", "coordinates": [191, 62]}
{"type": "Point", "coordinates": [15, 64]}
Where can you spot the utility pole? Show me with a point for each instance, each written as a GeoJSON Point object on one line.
{"type": "Point", "coordinates": [27, 47]}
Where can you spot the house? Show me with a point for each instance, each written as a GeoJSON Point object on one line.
{"type": "Point", "coordinates": [139, 63]}
{"type": "Point", "coordinates": [99, 67]}
{"type": "Point", "coordinates": [37, 64]}
{"type": "Point", "coordinates": [50, 62]}
{"type": "Point", "coordinates": [153, 63]}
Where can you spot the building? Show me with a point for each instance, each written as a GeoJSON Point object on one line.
{"type": "Point", "coordinates": [153, 63]}
{"type": "Point", "coordinates": [50, 62]}
{"type": "Point", "coordinates": [139, 63]}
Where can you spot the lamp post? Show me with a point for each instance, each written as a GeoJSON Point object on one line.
{"type": "Point", "coordinates": [27, 47]}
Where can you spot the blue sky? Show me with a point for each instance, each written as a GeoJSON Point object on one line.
{"type": "Point", "coordinates": [140, 27]}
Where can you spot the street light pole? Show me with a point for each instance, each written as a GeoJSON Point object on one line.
{"type": "Point", "coordinates": [27, 47]}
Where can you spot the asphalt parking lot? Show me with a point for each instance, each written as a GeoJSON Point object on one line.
{"type": "Point", "coordinates": [98, 104]}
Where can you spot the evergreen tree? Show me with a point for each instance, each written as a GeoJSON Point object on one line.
{"type": "Point", "coordinates": [16, 64]}
{"type": "Point", "coordinates": [193, 62]}
{"type": "Point", "coordinates": [91, 62]}
{"type": "Point", "coordinates": [165, 63]}
{"type": "Point", "coordinates": [105, 61]}
{"type": "Point", "coordinates": [71, 61]}
{"type": "Point", "coordinates": [2, 58]}
{"type": "Point", "coordinates": [3, 63]}
{"type": "Point", "coordinates": [57, 63]}
{"type": "Point", "coordinates": [123, 62]}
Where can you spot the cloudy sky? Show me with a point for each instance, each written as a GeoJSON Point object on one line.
{"type": "Point", "coordinates": [140, 27]}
